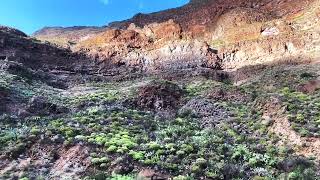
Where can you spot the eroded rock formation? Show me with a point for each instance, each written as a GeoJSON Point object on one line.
{"type": "Point", "coordinates": [204, 33]}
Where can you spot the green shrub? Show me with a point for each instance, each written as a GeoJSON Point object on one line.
{"type": "Point", "coordinates": [121, 177]}
{"type": "Point", "coordinates": [112, 149]}
{"type": "Point", "coordinates": [95, 160]}
{"type": "Point", "coordinates": [154, 146]}
{"type": "Point", "coordinates": [35, 131]}
{"type": "Point", "coordinates": [137, 155]}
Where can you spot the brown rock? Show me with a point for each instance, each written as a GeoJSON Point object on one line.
{"type": "Point", "coordinates": [159, 96]}
{"type": "Point", "coordinates": [243, 32]}
{"type": "Point", "coordinates": [146, 174]}
{"type": "Point", "coordinates": [309, 87]}
{"type": "Point", "coordinates": [149, 174]}
{"type": "Point", "coordinates": [167, 30]}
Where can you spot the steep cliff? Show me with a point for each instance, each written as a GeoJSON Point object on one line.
{"type": "Point", "coordinates": [212, 34]}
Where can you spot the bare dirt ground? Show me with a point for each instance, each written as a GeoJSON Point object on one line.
{"type": "Point", "coordinates": [305, 146]}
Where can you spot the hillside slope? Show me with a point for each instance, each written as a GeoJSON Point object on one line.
{"type": "Point", "coordinates": [216, 89]}
{"type": "Point", "coordinates": [66, 36]}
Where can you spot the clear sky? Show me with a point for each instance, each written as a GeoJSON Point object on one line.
{"type": "Point", "coordinates": [31, 15]}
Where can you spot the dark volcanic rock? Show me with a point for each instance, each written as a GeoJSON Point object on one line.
{"type": "Point", "coordinates": [159, 96]}
{"type": "Point", "coordinates": [234, 95]}
{"type": "Point", "coordinates": [3, 99]}
{"type": "Point", "coordinates": [29, 74]}
{"type": "Point", "coordinates": [40, 105]}
{"type": "Point", "coordinates": [16, 68]}
{"type": "Point", "coordinates": [12, 31]}
{"type": "Point", "coordinates": [210, 114]}
{"type": "Point", "coordinates": [34, 54]}
{"type": "Point", "coordinates": [199, 107]}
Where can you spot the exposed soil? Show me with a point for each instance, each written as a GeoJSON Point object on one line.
{"type": "Point", "coordinates": [309, 87]}
{"type": "Point", "coordinates": [281, 126]}
{"type": "Point", "coordinates": [72, 163]}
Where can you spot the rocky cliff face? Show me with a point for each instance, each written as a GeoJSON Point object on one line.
{"type": "Point", "coordinates": [67, 36]}
{"type": "Point", "coordinates": [16, 46]}
{"type": "Point", "coordinates": [204, 33]}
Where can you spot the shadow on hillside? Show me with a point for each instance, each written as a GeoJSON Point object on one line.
{"type": "Point", "coordinates": [247, 72]}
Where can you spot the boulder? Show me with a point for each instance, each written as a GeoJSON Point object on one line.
{"type": "Point", "coordinates": [149, 174]}
{"type": "Point", "coordinates": [272, 31]}
{"type": "Point", "coordinates": [159, 96]}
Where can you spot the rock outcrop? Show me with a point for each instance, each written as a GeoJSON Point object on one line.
{"type": "Point", "coordinates": [204, 33]}
{"type": "Point", "coordinates": [67, 36]}
{"type": "Point", "coordinates": [16, 46]}
{"type": "Point", "coordinates": [159, 96]}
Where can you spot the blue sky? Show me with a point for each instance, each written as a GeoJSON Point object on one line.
{"type": "Point", "coordinates": [31, 15]}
